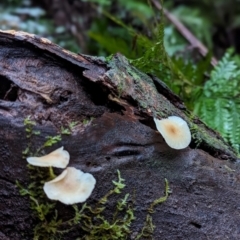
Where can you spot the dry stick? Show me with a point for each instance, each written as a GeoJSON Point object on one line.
{"type": "Point", "coordinates": [185, 32]}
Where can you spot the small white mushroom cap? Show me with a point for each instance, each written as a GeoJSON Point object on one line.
{"type": "Point", "coordinates": [58, 158]}
{"type": "Point", "coordinates": [175, 131]}
{"type": "Point", "coordinates": [71, 186]}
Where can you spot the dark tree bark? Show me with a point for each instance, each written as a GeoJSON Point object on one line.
{"type": "Point", "coordinates": [55, 87]}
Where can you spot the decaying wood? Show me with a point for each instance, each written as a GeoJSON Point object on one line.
{"type": "Point", "coordinates": [55, 87]}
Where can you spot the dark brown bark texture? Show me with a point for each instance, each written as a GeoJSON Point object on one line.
{"type": "Point", "coordinates": [55, 87]}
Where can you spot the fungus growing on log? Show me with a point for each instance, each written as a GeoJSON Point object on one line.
{"type": "Point", "coordinates": [80, 87]}
{"type": "Point", "coordinates": [71, 186]}
{"type": "Point", "coordinates": [175, 131]}
{"type": "Point", "coordinates": [58, 158]}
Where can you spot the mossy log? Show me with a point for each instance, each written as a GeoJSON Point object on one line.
{"type": "Point", "coordinates": [54, 87]}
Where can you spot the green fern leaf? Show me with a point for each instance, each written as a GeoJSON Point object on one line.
{"type": "Point", "coordinates": [219, 104]}
{"type": "Point", "coordinates": [234, 134]}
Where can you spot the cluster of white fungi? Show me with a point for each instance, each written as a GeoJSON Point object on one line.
{"type": "Point", "coordinates": [72, 185]}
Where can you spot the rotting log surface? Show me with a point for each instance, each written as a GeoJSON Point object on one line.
{"type": "Point", "coordinates": [56, 87]}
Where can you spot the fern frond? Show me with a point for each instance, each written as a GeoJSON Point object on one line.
{"type": "Point", "coordinates": [234, 134]}
{"type": "Point", "coordinates": [222, 118]}
{"type": "Point", "coordinates": [225, 68]}
{"type": "Point", "coordinates": [219, 104]}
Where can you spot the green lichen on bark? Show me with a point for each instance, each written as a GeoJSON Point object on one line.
{"type": "Point", "coordinates": [131, 83]}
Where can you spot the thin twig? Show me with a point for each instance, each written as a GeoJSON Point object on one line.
{"type": "Point", "coordinates": [185, 32]}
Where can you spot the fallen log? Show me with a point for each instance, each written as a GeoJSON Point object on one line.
{"type": "Point", "coordinates": [112, 106]}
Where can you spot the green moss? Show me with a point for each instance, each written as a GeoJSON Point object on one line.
{"type": "Point", "coordinates": [87, 121]}
{"type": "Point", "coordinates": [68, 130]}
{"type": "Point", "coordinates": [29, 129]}
{"type": "Point", "coordinates": [202, 136]}
{"type": "Point", "coordinates": [97, 226]}
{"type": "Point", "coordinates": [91, 219]}
{"type": "Point", "coordinates": [41, 207]}
{"type": "Point", "coordinates": [148, 228]}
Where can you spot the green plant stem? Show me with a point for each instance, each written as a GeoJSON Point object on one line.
{"type": "Point", "coordinates": [51, 173]}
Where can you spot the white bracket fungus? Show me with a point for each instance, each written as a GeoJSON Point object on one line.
{"type": "Point", "coordinates": [58, 158]}
{"type": "Point", "coordinates": [175, 131]}
{"type": "Point", "coordinates": [71, 186]}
